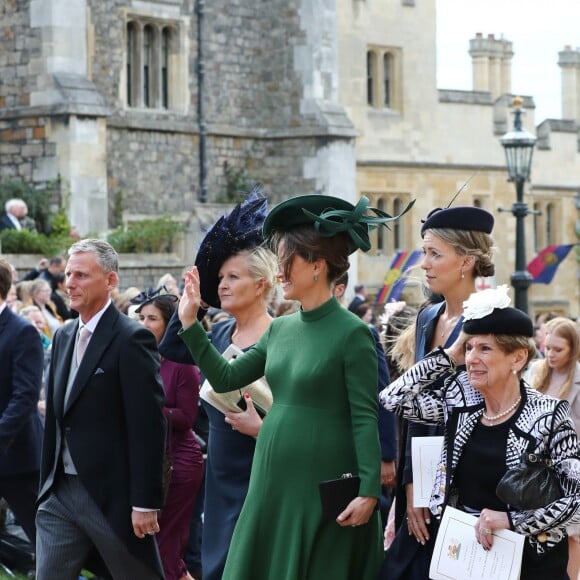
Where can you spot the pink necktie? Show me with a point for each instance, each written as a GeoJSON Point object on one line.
{"type": "Point", "coordinates": [84, 336]}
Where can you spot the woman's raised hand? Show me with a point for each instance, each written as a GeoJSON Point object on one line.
{"type": "Point", "coordinates": [190, 300]}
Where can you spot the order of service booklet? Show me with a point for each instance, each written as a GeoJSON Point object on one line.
{"type": "Point", "coordinates": [259, 391]}
{"type": "Point", "coordinates": [425, 456]}
{"type": "Point", "coordinates": [458, 556]}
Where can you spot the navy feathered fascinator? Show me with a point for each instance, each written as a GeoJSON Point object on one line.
{"type": "Point", "coordinates": [239, 230]}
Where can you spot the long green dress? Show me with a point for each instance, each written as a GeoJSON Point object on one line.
{"type": "Point", "coordinates": [322, 368]}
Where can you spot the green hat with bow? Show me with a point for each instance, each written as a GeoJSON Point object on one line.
{"type": "Point", "coordinates": [330, 216]}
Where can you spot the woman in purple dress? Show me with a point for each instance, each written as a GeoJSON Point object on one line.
{"type": "Point", "coordinates": [181, 383]}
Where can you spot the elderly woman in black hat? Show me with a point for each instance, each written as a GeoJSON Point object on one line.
{"type": "Point", "coordinates": [238, 275]}
{"type": "Point", "coordinates": [457, 247]}
{"type": "Point", "coordinates": [321, 365]}
{"type": "Point", "coordinates": [492, 418]}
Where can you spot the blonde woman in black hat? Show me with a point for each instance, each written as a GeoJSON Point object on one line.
{"type": "Point", "coordinates": [457, 247]}
{"type": "Point", "coordinates": [238, 275]}
{"type": "Point", "coordinates": [321, 365]}
{"type": "Point", "coordinates": [491, 418]}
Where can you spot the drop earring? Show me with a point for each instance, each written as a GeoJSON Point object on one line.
{"type": "Point", "coordinates": [514, 371]}
{"type": "Point", "coordinates": [462, 274]}
{"type": "Point", "coordinates": [316, 278]}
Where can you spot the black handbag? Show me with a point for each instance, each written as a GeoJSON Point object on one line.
{"type": "Point", "coordinates": [336, 494]}
{"type": "Point", "coordinates": [531, 485]}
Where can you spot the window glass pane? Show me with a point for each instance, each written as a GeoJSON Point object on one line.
{"type": "Point", "coordinates": [387, 76]}
{"type": "Point", "coordinates": [537, 223]}
{"type": "Point", "coordinates": [370, 76]}
{"type": "Point", "coordinates": [130, 55]}
{"type": "Point", "coordinates": [381, 230]}
{"type": "Point", "coordinates": [397, 233]}
{"type": "Point", "coordinates": [165, 38]}
{"type": "Point", "coordinates": [147, 62]}
{"type": "Point", "coordinates": [549, 224]}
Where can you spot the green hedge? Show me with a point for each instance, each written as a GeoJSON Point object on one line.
{"type": "Point", "coordinates": [146, 236]}
{"type": "Point", "coordinates": [26, 242]}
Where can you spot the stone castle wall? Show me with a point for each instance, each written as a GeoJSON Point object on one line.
{"type": "Point", "coordinates": [270, 103]}
{"type": "Point", "coordinates": [24, 152]}
{"type": "Point", "coordinates": [166, 178]}
{"type": "Point", "coordinates": [134, 270]}
{"type": "Point", "coordinates": [18, 43]}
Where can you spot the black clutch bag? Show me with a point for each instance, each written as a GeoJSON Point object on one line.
{"type": "Point", "coordinates": [531, 485]}
{"type": "Point", "coordinates": [243, 405]}
{"type": "Point", "coordinates": [336, 494]}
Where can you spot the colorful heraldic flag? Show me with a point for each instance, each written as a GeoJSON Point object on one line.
{"type": "Point", "coordinates": [397, 274]}
{"type": "Point", "coordinates": [544, 265]}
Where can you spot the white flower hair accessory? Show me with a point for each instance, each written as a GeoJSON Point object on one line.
{"type": "Point", "coordinates": [482, 303]}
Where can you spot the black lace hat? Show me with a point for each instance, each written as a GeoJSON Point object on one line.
{"type": "Point", "coordinates": [239, 230]}
{"type": "Point", "coordinates": [330, 216]}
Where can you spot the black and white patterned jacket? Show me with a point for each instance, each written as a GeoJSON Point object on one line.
{"type": "Point", "coordinates": [542, 426]}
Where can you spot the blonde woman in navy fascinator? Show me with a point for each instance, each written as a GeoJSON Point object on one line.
{"type": "Point", "coordinates": [457, 247]}
{"type": "Point", "coordinates": [237, 274]}
{"type": "Point", "coordinates": [321, 365]}
{"type": "Point", "coordinates": [492, 422]}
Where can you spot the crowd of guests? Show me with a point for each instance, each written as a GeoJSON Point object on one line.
{"type": "Point", "coordinates": [240, 494]}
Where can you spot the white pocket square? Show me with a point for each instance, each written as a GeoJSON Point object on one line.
{"type": "Point", "coordinates": [99, 371]}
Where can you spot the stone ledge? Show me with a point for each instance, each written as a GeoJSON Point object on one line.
{"type": "Point", "coordinates": [466, 97]}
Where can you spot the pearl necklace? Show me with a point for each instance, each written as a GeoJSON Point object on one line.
{"type": "Point", "coordinates": [493, 419]}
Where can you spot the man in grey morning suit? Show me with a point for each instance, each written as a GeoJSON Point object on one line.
{"type": "Point", "coordinates": [101, 471]}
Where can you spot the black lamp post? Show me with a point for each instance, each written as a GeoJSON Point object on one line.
{"type": "Point", "coordinates": [519, 148]}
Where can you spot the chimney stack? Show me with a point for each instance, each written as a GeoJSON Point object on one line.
{"type": "Point", "coordinates": [569, 61]}
{"type": "Point", "coordinates": [491, 60]}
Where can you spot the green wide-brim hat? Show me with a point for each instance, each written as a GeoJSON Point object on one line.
{"type": "Point", "coordinates": [329, 216]}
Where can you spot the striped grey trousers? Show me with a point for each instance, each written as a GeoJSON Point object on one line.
{"type": "Point", "coordinates": [68, 525]}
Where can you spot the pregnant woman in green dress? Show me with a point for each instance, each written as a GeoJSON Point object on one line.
{"type": "Point", "coordinates": [321, 365]}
